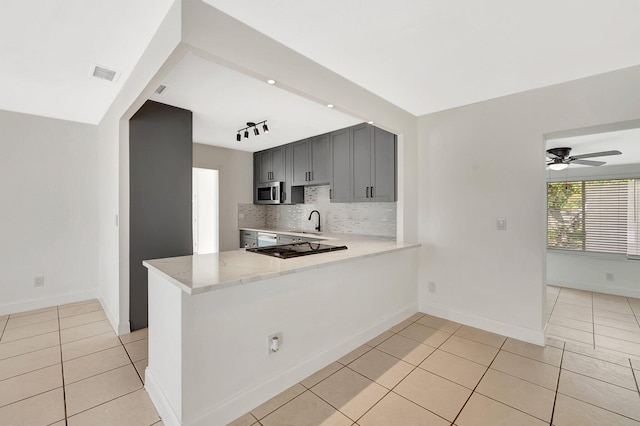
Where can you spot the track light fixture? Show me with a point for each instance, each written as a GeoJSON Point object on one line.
{"type": "Point", "coordinates": [254, 126]}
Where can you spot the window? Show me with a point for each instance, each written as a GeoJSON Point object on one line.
{"type": "Point", "coordinates": [594, 216]}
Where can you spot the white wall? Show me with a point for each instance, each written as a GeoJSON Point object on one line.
{"type": "Point", "coordinates": [484, 161]}
{"type": "Point", "coordinates": [235, 180]}
{"type": "Point", "coordinates": [589, 271]}
{"type": "Point", "coordinates": [49, 209]}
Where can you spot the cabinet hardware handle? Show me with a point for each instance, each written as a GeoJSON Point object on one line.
{"type": "Point", "coordinates": [372, 192]}
{"type": "Point", "coordinates": [367, 192]}
{"type": "Point", "coordinates": [330, 194]}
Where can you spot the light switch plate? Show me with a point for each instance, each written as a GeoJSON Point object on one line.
{"type": "Point", "coordinates": [501, 223]}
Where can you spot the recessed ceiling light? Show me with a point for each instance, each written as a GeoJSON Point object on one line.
{"type": "Point", "coordinates": [329, 105]}
{"type": "Point", "coordinates": [270, 81]}
{"type": "Point", "coordinates": [370, 122]}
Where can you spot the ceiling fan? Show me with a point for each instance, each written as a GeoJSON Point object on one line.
{"type": "Point", "coordinates": [560, 158]}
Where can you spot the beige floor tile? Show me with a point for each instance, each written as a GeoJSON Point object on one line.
{"type": "Point", "coordinates": [481, 336]}
{"type": "Point", "coordinates": [571, 323]}
{"type": "Point", "coordinates": [31, 319]}
{"type": "Point", "coordinates": [354, 354]}
{"type": "Point", "coordinates": [533, 371]}
{"type": "Point", "coordinates": [572, 412]}
{"type": "Point", "coordinates": [138, 350]}
{"type": "Point", "coordinates": [580, 301]}
{"type": "Point", "coordinates": [415, 317]}
{"type": "Point", "coordinates": [614, 315]}
{"type": "Point", "coordinates": [547, 354]}
{"type": "Point", "coordinates": [554, 343]}
{"type": "Point", "coordinates": [483, 411]}
{"type": "Point", "coordinates": [306, 410]}
{"type": "Point", "coordinates": [517, 393]}
{"type": "Point", "coordinates": [277, 401]}
{"type": "Point", "coordinates": [140, 367]}
{"type": "Point", "coordinates": [29, 344]}
{"type": "Point", "coordinates": [81, 302]}
{"type": "Point", "coordinates": [406, 349]}
{"type": "Point", "coordinates": [379, 339]}
{"type": "Point", "coordinates": [423, 334]}
{"type": "Point", "coordinates": [623, 325]}
{"type": "Point", "coordinates": [143, 333]}
{"type": "Point", "coordinates": [132, 409]}
{"type": "Point", "coordinates": [622, 307]}
{"type": "Point", "coordinates": [619, 345]}
{"type": "Point", "coordinates": [598, 354]}
{"type": "Point", "coordinates": [29, 331]}
{"type": "Point", "coordinates": [99, 389]}
{"type": "Point", "coordinates": [569, 333]}
{"type": "Point", "coordinates": [598, 369]}
{"type": "Point", "coordinates": [89, 345]}
{"type": "Point", "coordinates": [382, 368]}
{"type": "Point", "coordinates": [321, 374]}
{"type": "Point", "coordinates": [84, 331]}
{"type": "Point", "coordinates": [434, 393]}
{"type": "Point", "coordinates": [81, 319]}
{"type": "Point", "coordinates": [599, 393]}
{"type": "Point", "coordinates": [79, 309]}
{"type": "Point", "coordinates": [439, 324]}
{"type": "Point", "coordinates": [90, 365]}
{"type": "Point", "coordinates": [30, 384]}
{"type": "Point", "coordinates": [473, 351]}
{"type": "Point", "coordinates": [452, 367]}
{"type": "Point", "coordinates": [60, 423]}
{"type": "Point", "coordinates": [567, 307]}
{"type": "Point", "coordinates": [586, 317]}
{"type": "Point", "coordinates": [396, 410]}
{"type": "Point", "coordinates": [617, 333]}
{"type": "Point", "coordinates": [31, 361]}
{"type": "Point", "coordinates": [34, 311]}
{"type": "Point", "coordinates": [349, 392]}
{"type": "Point", "coordinates": [246, 420]}
{"type": "Point", "coordinates": [400, 326]}
{"type": "Point", "coordinates": [50, 409]}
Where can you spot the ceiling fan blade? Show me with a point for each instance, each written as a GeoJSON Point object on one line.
{"type": "Point", "coordinates": [588, 162]}
{"type": "Point", "coordinates": [595, 154]}
{"type": "Point", "coordinates": [552, 156]}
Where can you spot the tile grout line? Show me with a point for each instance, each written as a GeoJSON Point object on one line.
{"type": "Point", "coordinates": [593, 325]}
{"type": "Point", "coordinates": [64, 387]}
{"type": "Point", "coordinates": [555, 394]}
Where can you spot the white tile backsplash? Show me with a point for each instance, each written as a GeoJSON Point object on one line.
{"type": "Point", "coordinates": [346, 218]}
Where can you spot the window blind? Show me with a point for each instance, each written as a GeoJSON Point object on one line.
{"type": "Point", "coordinates": [594, 216]}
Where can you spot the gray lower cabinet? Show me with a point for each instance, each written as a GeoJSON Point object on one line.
{"type": "Point", "coordinates": [311, 161]}
{"type": "Point", "coordinates": [373, 159]}
{"type": "Point", "coordinates": [248, 239]}
{"type": "Point", "coordinates": [270, 164]}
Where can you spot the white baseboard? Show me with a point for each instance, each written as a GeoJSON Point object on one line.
{"type": "Point", "coordinates": [119, 327]}
{"type": "Point", "coordinates": [509, 330]}
{"type": "Point", "coordinates": [618, 291]}
{"type": "Point", "coordinates": [45, 302]}
{"type": "Point", "coordinates": [240, 403]}
{"type": "Point", "coordinates": [159, 399]}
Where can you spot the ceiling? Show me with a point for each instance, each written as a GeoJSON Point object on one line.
{"type": "Point", "coordinates": [430, 55]}
{"type": "Point", "coordinates": [626, 141]}
{"type": "Point", "coordinates": [223, 101]}
{"type": "Point", "coordinates": [48, 48]}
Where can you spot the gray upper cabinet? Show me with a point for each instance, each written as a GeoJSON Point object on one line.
{"type": "Point", "coordinates": [340, 177]}
{"type": "Point", "coordinates": [271, 165]}
{"type": "Point", "coordinates": [373, 159]}
{"type": "Point", "coordinates": [311, 161]}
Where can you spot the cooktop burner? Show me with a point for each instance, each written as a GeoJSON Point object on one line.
{"type": "Point", "coordinates": [288, 251]}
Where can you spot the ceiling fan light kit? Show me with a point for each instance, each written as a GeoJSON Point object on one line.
{"type": "Point", "coordinates": [560, 158]}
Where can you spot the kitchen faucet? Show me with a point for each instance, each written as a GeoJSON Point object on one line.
{"type": "Point", "coordinates": [310, 214]}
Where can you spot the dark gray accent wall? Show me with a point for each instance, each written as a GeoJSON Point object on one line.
{"type": "Point", "coordinates": [160, 170]}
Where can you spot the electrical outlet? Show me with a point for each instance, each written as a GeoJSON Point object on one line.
{"type": "Point", "coordinates": [38, 281]}
{"type": "Point", "coordinates": [609, 276]}
{"type": "Point", "coordinates": [270, 342]}
{"type": "Point", "coordinates": [501, 223]}
{"type": "Point", "coordinates": [432, 287]}
{"type": "Point", "coordinates": [240, 216]}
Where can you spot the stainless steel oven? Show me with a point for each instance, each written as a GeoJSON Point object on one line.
{"type": "Point", "coordinates": [269, 193]}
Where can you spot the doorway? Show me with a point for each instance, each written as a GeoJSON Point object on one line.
{"type": "Point", "coordinates": [205, 211]}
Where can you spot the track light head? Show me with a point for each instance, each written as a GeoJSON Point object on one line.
{"type": "Point", "coordinates": [246, 134]}
{"type": "Point", "coordinates": [265, 128]}
{"type": "Point", "coordinates": [238, 137]}
{"type": "Point", "coordinates": [255, 131]}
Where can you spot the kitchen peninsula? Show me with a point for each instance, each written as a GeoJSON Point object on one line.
{"type": "Point", "coordinates": [211, 316]}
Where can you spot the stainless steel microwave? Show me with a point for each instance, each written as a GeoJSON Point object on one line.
{"type": "Point", "coordinates": [269, 193]}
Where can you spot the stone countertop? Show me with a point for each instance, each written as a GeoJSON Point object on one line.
{"type": "Point", "coordinates": [209, 272]}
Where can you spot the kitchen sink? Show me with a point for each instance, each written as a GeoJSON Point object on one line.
{"type": "Point", "coordinates": [288, 251]}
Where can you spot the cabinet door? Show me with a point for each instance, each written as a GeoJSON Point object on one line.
{"type": "Point", "coordinates": [360, 162]}
{"type": "Point", "coordinates": [265, 166]}
{"type": "Point", "coordinates": [301, 163]}
{"type": "Point", "coordinates": [319, 159]}
{"type": "Point", "coordinates": [277, 164]}
{"type": "Point", "coordinates": [256, 175]}
{"type": "Point", "coordinates": [340, 178]}
{"type": "Point", "coordinates": [383, 179]}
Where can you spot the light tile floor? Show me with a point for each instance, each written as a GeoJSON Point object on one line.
{"type": "Point", "coordinates": [64, 365]}
{"type": "Point", "coordinates": [601, 321]}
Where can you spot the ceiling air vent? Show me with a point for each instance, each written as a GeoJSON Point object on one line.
{"type": "Point", "coordinates": [160, 89]}
{"type": "Point", "coordinates": [103, 73]}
